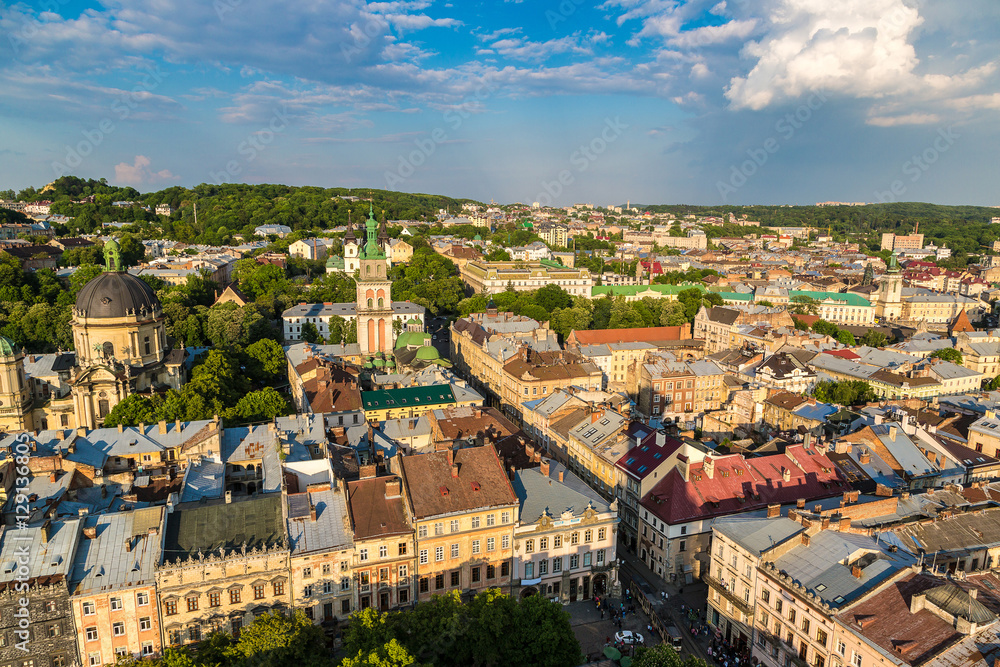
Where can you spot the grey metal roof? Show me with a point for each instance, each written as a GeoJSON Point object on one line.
{"type": "Point", "coordinates": [824, 566]}
{"type": "Point", "coordinates": [757, 535]}
{"type": "Point", "coordinates": [50, 558]}
{"type": "Point", "coordinates": [330, 529]}
{"type": "Point", "coordinates": [539, 494]}
{"type": "Point", "coordinates": [123, 554]}
{"type": "Point", "coordinates": [203, 480]}
{"type": "Point", "coordinates": [904, 451]}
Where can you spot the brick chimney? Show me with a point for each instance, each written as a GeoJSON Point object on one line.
{"type": "Point", "coordinates": [773, 510]}
{"type": "Point", "coordinates": [449, 457]}
{"type": "Point", "coordinates": [805, 539]}
{"type": "Point", "coordinates": [865, 458]}
{"type": "Point", "coordinates": [561, 475]}
{"type": "Point", "coordinates": [454, 470]}
{"type": "Point", "coordinates": [892, 433]}
{"type": "Point", "coordinates": [856, 572]}
{"type": "Point", "coordinates": [708, 466]}
{"type": "Point", "coordinates": [393, 489]}
{"type": "Point", "coordinates": [162, 424]}
{"type": "Point", "coordinates": [800, 504]}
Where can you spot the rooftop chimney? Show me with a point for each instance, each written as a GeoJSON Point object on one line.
{"type": "Point", "coordinates": [560, 475]}
{"type": "Point", "coordinates": [162, 424]}
{"type": "Point", "coordinates": [805, 539]}
{"type": "Point", "coordinates": [773, 510]}
{"type": "Point", "coordinates": [865, 458]}
{"type": "Point", "coordinates": [544, 468]}
{"type": "Point", "coordinates": [856, 571]}
{"type": "Point", "coordinates": [449, 457]}
{"type": "Point", "coordinates": [892, 433]}
{"type": "Point", "coordinates": [454, 470]}
{"type": "Point", "coordinates": [393, 489]}
{"type": "Point", "coordinates": [800, 504]}
{"type": "Point", "coordinates": [229, 497]}
{"type": "Point", "coordinates": [121, 428]}
{"type": "Point", "coordinates": [708, 466]}
{"type": "Point", "coordinates": [312, 512]}
{"type": "Point", "coordinates": [128, 544]}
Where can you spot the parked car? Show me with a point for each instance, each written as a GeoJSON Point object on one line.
{"type": "Point", "coordinates": [628, 637]}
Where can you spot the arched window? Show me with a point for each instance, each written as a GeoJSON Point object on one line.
{"type": "Point", "coordinates": [108, 349]}
{"type": "Point", "coordinates": [369, 303]}
{"type": "Point", "coordinates": [381, 269]}
{"type": "Point", "coordinates": [380, 302]}
{"type": "Point", "coordinates": [368, 269]}
{"type": "Point", "coordinates": [147, 344]}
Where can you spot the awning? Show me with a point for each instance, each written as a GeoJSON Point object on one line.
{"type": "Point", "coordinates": [531, 582]}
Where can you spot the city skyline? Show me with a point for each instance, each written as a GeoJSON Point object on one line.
{"type": "Point", "coordinates": [784, 101]}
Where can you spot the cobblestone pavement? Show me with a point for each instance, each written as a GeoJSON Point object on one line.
{"type": "Point", "coordinates": [592, 632]}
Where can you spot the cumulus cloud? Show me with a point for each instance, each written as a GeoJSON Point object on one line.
{"type": "Point", "coordinates": [139, 173]}
{"type": "Point", "coordinates": [857, 48]}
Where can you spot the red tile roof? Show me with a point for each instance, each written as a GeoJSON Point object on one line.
{"type": "Point", "coordinates": [639, 334]}
{"type": "Point", "coordinates": [741, 485]}
{"type": "Point", "coordinates": [843, 354]}
{"type": "Point", "coordinates": [435, 489]}
{"type": "Point", "coordinates": [643, 459]}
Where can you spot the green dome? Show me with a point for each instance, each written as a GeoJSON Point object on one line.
{"type": "Point", "coordinates": [7, 347]}
{"type": "Point", "coordinates": [477, 237]}
{"type": "Point", "coordinates": [428, 353]}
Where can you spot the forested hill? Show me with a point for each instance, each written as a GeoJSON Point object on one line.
{"type": "Point", "coordinates": [845, 219]}
{"type": "Point", "coordinates": [231, 208]}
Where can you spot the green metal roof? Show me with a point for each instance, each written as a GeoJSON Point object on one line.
{"type": "Point", "coordinates": [8, 348]}
{"type": "Point", "coordinates": [847, 298]}
{"type": "Point", "coordinates": [407, 397]}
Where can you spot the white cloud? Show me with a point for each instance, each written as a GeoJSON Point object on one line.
{"type": "Point", "coordinates": [139, 173]}
{"type": "Point", "coordinates": [857, 48]}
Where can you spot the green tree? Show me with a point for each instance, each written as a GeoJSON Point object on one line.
{"type": "Point", "coordinates": [664, 655]}
{"type": "Point", "coordinates": [846, 392]}
{"type": "Point", "coordinates": [134, 410]}
{"type": "Point", "coordinates": [131, 252]}
{"type": "Point", "coordinates": [266, 360]}
{"type": "Point", "coordinates": [310, 333]}
{"type": "Point", "coordinates": [948, 354]}
{"type": "Point", "coordinates": [391, 654]}
{"type": "Point", "coordinates": [277, 640]}
{"type": "Point", "coordinates": [497, 255]}
{"type": "Point", "coordinates": [260, 406]}
{"type": "Point", "coordinates": [801, 304]}
{"type": "Point", "coordinates": [873, 338]}
{"type": "Point", "coordinates": [845, 337]}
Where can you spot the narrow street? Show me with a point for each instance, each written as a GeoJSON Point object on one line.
{"type": "Point", "coordinates": [693, 596]}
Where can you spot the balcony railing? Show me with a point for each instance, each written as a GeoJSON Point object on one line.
{"type": "Point", "coordinates": [737, 601]}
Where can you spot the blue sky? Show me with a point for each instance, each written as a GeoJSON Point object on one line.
{"type": "Point", "coordinates": [561, 101]}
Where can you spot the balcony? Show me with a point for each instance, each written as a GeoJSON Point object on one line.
{"type": "Point", "coordinates": [738, 602]}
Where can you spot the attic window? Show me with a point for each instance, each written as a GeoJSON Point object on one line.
{"type": "Point", "coordinates": [9, 567]}
{"type": "Point", "coordinates": [839, 599]}
{"type": "Point", "coordinates": [821, 588]}
{"type": "Point", "coordinates": [475, 486]}
{"type": "Point", "coordinates": [443, 490]}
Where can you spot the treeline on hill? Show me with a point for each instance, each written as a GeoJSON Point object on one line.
{"type": "Point", "coordinates": [964, 229]}
{"type": "Point", "coordinates": [227, 209]}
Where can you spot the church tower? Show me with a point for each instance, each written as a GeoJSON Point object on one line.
{"type": "Point", "coordinates": [374, 307]}
{"type": "Point", "coordinates": [15, 398]}
{"type": "Point", "coordinates": [890, 292]}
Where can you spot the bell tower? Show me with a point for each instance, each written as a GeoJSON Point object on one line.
{"type": "Point", "coordinates": [890, 292]}
{"type": "Point", "coordinates": [15, 397]}
{"type": "Point", "coordinates": [374, 306]}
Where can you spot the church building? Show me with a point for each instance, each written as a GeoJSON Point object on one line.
{"type": "Point", "coordinates": [121, 343]}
